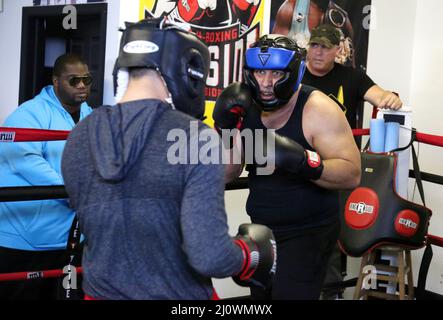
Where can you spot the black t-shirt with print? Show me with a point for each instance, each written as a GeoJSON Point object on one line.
{"type": "Point", "coordinates": [347, 85]}
{"type": "Point", "coordinates": [76, 116]}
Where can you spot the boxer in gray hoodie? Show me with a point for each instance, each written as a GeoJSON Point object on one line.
{"type": "Point", "coordinates": [154, 229]}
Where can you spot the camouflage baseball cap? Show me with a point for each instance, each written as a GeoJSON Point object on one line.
{"type": "Point", "coordinates": [326, 35]}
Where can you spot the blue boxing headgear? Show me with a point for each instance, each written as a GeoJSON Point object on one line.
{"type": "Point", "coordinates": [275, 52]}
{"type": "Point", "coordinates": [180, 57]}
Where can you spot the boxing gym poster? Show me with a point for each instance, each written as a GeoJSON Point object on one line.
{"type": "Point", "coordinates": [62, 2]}
{"type": "Point", "coordinates": [296, 18]}
{"type": "Point", "coordinates": [228, 27]}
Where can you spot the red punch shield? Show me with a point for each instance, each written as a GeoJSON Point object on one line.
{"type": "Point", "coordinates": [406, 223]}
{"type": "Point", "coordinates": [361, 208]}
{"type": "Point", "coordinates": [373, 214]}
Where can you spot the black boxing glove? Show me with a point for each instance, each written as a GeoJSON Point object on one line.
{"type": "Point", "coordinates": [232, 106]}
{"type": "Point", "coordinates": [291, 156]}
{"type": "Point", "coordinates": [260, 256]}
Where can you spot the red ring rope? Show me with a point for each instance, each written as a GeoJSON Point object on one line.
{"type": "Point", "coordinates": [25, 135]}
{"type": "Point", "coordinates": [31, 275]}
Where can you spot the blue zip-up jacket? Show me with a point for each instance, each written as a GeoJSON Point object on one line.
{"type": "Point", "coordinates": [36, 225]}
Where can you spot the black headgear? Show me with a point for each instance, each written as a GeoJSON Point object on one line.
{"type": "Point", "coordinates": [179, 56]}
{"type": "Point", "coordinates": [275, 52]}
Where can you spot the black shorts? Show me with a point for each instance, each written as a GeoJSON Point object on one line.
{"type": "Point", "coordinates": [302, 261]}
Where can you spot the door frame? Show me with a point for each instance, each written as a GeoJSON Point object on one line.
{"type": "Point", "coordinates": [30, 45]}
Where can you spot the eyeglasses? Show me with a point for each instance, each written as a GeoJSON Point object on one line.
{"type": "Point", "coordinates": [75, 81]}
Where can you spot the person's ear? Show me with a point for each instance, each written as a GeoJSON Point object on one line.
{"type": "Point", "coordinates": [55, 81]}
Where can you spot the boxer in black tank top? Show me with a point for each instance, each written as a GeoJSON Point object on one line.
{"type": "Point", "coordinates": [314, 155]}
{"type": "Point", "coordinates": [272, 198]}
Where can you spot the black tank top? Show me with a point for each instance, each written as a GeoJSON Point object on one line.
{"type": "Point", "coordinates": [284, 201]}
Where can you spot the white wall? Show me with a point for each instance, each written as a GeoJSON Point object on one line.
{"type": "Point", "coordinates": [406, 56]}
{"type": "Point", "coordinates": [112, 42]}
{"type": "Point", "coordinates": [118, 12]}
{"type": "Point", "coordinates": [10, 43]}
{"type": "Point", "coordinates": [391, 44]}
{"type": "Point", "coordinates": [235, 202]}
{"type": "Point", "coordinates": [426, 85]}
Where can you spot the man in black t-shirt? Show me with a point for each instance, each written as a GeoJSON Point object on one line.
{"type": "Point", "coordinates": [350, 87]}
{"type": "Point", "coordinates": [296, 19]}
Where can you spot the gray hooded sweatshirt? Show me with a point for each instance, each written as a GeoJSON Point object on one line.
{"type": "Point", "coordinates": [153, 230]}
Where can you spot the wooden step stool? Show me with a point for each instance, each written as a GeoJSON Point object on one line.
{"type": "Point", "coordinates": [401, 273]}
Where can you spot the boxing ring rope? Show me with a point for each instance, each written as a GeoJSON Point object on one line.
{"type": "Point", "coordinates": [420, 137]}
{"type": "Point", "coordinates": [28, 135]}
{"type": "Point", "coordinates": [427, 139]}
{"type": "Point", "coordinates": [438, 241]}
{"type": "Point", "coordinates": [10, 194]}
{"type": "Point", "coordinates": [8, 134]}
{"type": "Point", "coordinates": [31, 275]}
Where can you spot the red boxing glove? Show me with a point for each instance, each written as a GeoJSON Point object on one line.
{"type": "Point", "coordinates": [190, 10]}
{"type": "Point", "coordinates": [243, 5]}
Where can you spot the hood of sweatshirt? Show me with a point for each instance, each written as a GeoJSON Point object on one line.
{"type": "Point", "coordinates": [117, 135]}
{"type": "Point", "coordinates": [50, 98]}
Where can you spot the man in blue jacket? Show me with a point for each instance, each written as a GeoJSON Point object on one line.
{"type": "Point", "coordinates": [33, 234]}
